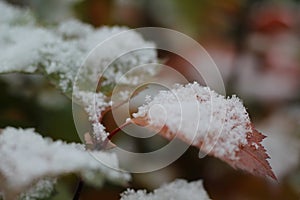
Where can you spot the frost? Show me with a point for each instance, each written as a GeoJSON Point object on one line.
{"type": "Point", "coordinates": [53, 11]}
{"type": "Point", "coordinates": [13, 15]}
{"type": "Point", "coordinates": [26, 157]}
{"type": "Point", "coordinates": [58, 52]}
{"type": "Point", "coordinates": [19, 54]}
{"type": "Point", "coordinates": [218, 124]}
{"type": "Point", "coordinates": [94, 103]}
{"type": "Point", "coordinates": [177, 190]}
{"type": "Point", "coordinates": [41, 190]}
{"type": "Point", "coordinates": [127, 50]}
{"type": "Point", "coordinates": [74, 29]}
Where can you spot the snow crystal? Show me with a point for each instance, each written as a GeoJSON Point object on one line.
{"type": "Point", "coordinates": [177, 190]}
{"type": "Point", "coordinates": [94, 104]}
{"type": "Point", "coordinates": [27, 157]}
{"type": "Point", "coordinates": [41, 190]}
{"type": "Point", "coordinates": [99, 132]}
{"type": "Point", "coordinates": [73, 29]}
{"type": "Point", "coordinates": [202, 117]}
{"type": "Point", "coordinates": [20, 47]}
{"type": "Point", "coordinates": [63, 59]}
{"type": "Point", "coordinates": [119, 51]}
{"type": "Point", "coordinates": [60, 51]}
{"type": "Point", "coordinates": [13, 15]}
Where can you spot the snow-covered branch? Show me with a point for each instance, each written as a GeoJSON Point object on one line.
{"type": "Point", "coordinates": [59, 51]}
{"type": "Point", "coordinates": [26, 157]}
{"type": "Point", "coordinates": [177, 190]}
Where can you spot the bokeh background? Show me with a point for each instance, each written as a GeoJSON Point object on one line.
{"type": "Point", "coordinates": [256, 46]}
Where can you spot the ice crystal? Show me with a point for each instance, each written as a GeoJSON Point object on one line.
{"type": "Point", "coordinates": [26, 157]}
{"type": "Point", "coordinates": [201, 116]}
{"type": "Point", "coordinates": [13, 15]}
{"type": "Point", "coordinates": [41, 190]}
{"type": "Point", "coordinates": [177, 190]}
{"type": "Point", "coordinates": [60, 51]}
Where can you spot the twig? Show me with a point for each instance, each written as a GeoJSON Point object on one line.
{"type": "Point", "coordinates": [81, 182]}
{"type": "Point", "coordinates": [78, 189]}
{"type": "Point", "coordinates": [115, 131]}
{"type": "Point", "coordinates": [104, 112]}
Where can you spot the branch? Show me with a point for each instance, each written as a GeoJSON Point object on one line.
{"type": "Point", "coordinates": [78, 189]}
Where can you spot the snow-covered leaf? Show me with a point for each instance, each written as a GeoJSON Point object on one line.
{"type": "Point", "coordinates": [26, 157]}
{"type": "Point", "coordinates": [252, 156]}
{"type": "Point", "coordinates": [217, 125]}
{"type": "Point", "coordinates": [41, 190]}
{"type": "Point", "coordinates": [15, 16]}
{"type": "Point", "coordinates": [59, 51]}
{"type": "Point", "coordinates": [177, 190]}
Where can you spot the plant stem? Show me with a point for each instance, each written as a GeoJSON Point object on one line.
{"type": "Point", "coordinates": [115, 131]}
{"type": "Point", "coordinates": [78, 189]}
{"type": "Point", "coordinates": [80, 182]}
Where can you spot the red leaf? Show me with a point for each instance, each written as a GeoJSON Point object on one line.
{"type": "Point", "coordinates": [252, 156]}
{"type": "Point", "coordinates": [217, 125]}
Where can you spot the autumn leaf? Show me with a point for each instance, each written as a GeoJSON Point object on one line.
{"type": "Point", "coordinates": [253, 156]}
{"type": "Point", "coordinates": [218, 126]}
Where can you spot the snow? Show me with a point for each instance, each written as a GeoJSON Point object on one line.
{"type": "Point", "coordinates": [94, 103]}
{"type": "Point", "coordinates": [14, 15]}
{"type": "Point", "coordinates": [59, 51]}
{"type": "Point", "coordinates": [41, 190]}
{"type": "Point", "coordinates": [18, 53]}
{"type": "Point", "coordinates": [73, 29]}
{"type": "Point", "coordinates": [26, 157]}
{"type": "Point", "coordinates": [201, 116]}
{"type": "Point", "coordinates": [177, 190]}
